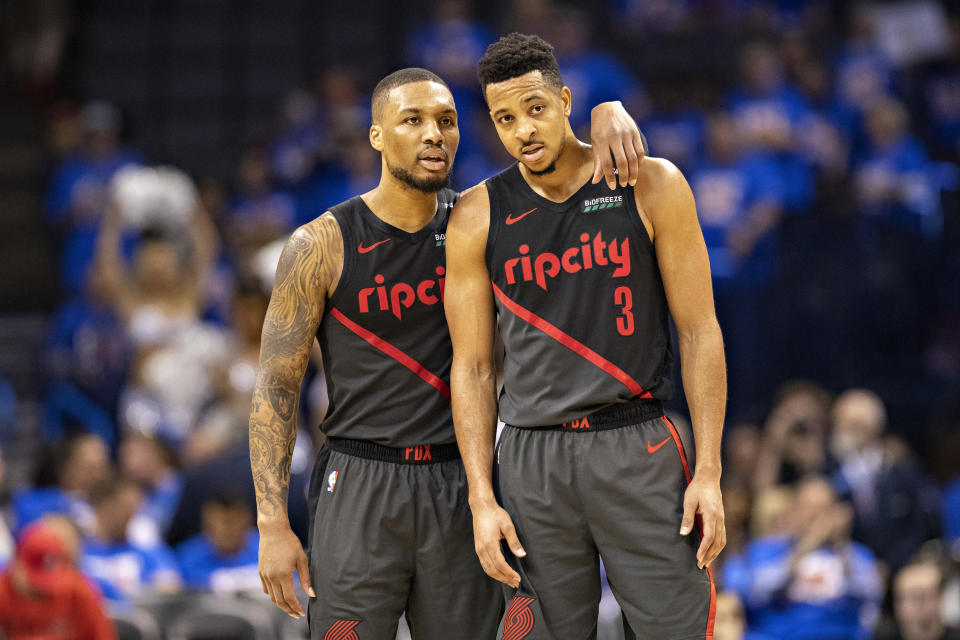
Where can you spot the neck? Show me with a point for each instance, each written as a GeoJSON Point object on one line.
{"type": "Point", "coordinates": [573, 168]}
{"type": "Point", "coordinates": [400, 205]}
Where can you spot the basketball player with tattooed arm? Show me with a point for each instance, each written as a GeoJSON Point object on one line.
{"type": "Point", "coordinates": [583, 279]}
{"type": "Point", "coordinates": [391, 530]}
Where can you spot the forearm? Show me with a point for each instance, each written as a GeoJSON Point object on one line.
{"type": "Point", "coordinates": [705, 384]}
{"type": "Point", "coordinates": [475, 420]}
{"type": "Point", "coordinates": [273, 433]}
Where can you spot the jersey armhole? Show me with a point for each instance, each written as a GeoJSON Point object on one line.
{"type": "Point", "coordinates": [493, 193]}
{"type": "Point", "coordinates": [637, 222]}
{"type": "Point", "coordinates": [348, 257]}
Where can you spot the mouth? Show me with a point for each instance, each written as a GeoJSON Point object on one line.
{"type": "Point", "coordinates": [433, 160]}
{"type": "Point", "coordinates": [532, 152]}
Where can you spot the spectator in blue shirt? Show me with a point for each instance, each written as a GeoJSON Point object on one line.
{"type": "Point", "coordinates": [82, 461]}
{"type": "Point", "coordinates": [675, 129]}
{"type": "Point", "coordinates": [770, 115]}
{"type": "Point", "coordinates": [739, 202]}
{"type": "Point", "coordinates": [152, 464]}
{"type": "Point", "coordinates": [124, 569]}
{"type": "Point", "coordinates": [223, 558]}
{"type": "Point", "coordinates": [815, 584]}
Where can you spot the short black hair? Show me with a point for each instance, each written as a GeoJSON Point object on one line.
{"type": "Point", "coordinates": [515, 55]}
{"type": "Point", "coordinates": [398, 79]}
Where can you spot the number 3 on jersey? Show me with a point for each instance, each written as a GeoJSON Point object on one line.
{"type": "Point", "coordinates": [623, 296]}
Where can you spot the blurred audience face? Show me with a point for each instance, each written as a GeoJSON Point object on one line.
{"type": "Point", "coordinates": [66, 530]}
{"type": "Point", "coordinates": [762, 70]}
{"type": "Point", "coordinates": [143, 459]}
{"type": "Point", "coordinates": [101, 128]}
{"type": "Point", "coordinates": [816, 510]}
{"type": "Point", "coordinates": [115, 509]}
{"type": "Point", "coordinates": [730, 623]}
{"type": "Point", "coordinates": [87, 462]}
{"type": "Point", "coordinates": [254, 172]}
{"type": "Point", "coordinates": [158, 266]}
{"type": "Point", "coordinates": [723, 142]}
{"type": "Point", "coordinates": [917, 602]}
{"type": "Point", "coordinates": [771, 514]}
{"type": "Point", "coordinates": [227, 526]}
{"type": "Point", "coordinates": [418, 147]}
{"type": "Point", "coordinates": [249, 309]}
{"type": "Point", "coordinates": [859, 419]}
{"type": "Point", "coordinates": [886, 123]}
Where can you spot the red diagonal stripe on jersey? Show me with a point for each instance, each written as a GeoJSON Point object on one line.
{"type": "Point", "coordinates": [398, 355]}
{"type": "Point", "coordinates": [572, 343]}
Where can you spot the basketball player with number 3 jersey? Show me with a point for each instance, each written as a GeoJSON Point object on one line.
{"type": "Point", "coordinates": [583, 279]}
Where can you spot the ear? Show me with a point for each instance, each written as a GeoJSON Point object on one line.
{"type": "Point", "coordinates": [567, 100]}
{"type": "Point", "coordinates": [376, 137]}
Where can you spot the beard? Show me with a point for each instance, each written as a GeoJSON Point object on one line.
{"type": "Point", "coordinates": [424, 185]}
{"type": "Point", "coordinates": [552, 166]}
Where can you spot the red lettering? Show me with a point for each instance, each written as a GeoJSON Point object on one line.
{"type": "Point", "coordinates": [364, 303]}
{"type": "Point", "coordinates": [552, 265]}
{"type": "Point", "coordinates": [508, 269]}
{"type": "Point", "coordinates": [422, 292]}
{"type": "Point", "coordinates": [567, 260]}
{"type": "Point", "coordinates": [401, 294]}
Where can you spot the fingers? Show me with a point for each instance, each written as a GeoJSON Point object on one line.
{"type": "Point", "coordinates": [288, 597]}
{"type": "Point", "coordinates": [689, 513]}
{"type": "Point", "coordinates": [495, 566]}
{"type": "Point", "coordinates": [719, 539]}
{"type": "Point", "coordinates": [623, 167]}
{"type": "Point", "coordinates": [303, 572]}
{"type": "Point", "coordinates": [597, 166]}
{"type": "Point", "coordinates": [510, 535]}
{"type": "Point", "coordinates": [706, 542]}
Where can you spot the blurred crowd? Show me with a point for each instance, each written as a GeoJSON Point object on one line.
{"type": "Point", "coordinates": [824, 165]}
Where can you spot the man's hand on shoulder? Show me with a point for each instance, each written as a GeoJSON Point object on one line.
{"type": "Point", "coordinates": [616, 141]}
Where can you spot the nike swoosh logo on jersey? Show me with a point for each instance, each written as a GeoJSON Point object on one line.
{"type": "Point", "coordinates": [363, 249]}
{"type": "Point", "coordinates": [512, 219]}
{"type": "Point", "coordinates": [653, 449]}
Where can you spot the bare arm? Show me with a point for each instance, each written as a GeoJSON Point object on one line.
{"type": "Point", "coordinates": [615, 138]}
{"type": "Point", "coordinates": [309, 267]}
{"type": "Point", "coordinates": [663, 194]}
{"type": "Point", "coordinates": [468, 302]}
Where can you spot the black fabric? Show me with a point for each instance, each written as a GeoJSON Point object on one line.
{"type": "Point", "coordinates": [390, 290]}
{"type": "Point", "coordinates": [614, 494]}
{"type": "Point", "coordinates": [390, 539]}
{"type": "Point", "coordinates": [587, 270]}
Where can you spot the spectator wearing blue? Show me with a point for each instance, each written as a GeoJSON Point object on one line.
{"type": "Point", "coordinates": [223, 558]}
{"type": "Point", "coordinates": [740, 203]}
{"type": "Point", "coordinates": [895, 506]}
{"type": "Point", "coordinates": [675, 128]}
{"type": "Point", "coordinates": [87, 356]}
{"type": "Point", "coordinates": [82, 460]}
{"type": "Point", "coordinates": [951, 512]}
{"type": "Point", "coordinates": [121, 568]}
{"type": "Point", "coordinates": [815, 583]}
{"type": "Point", "coordinates": [78, 192]}
{"type": "Point", "coordinates": [593, 75]}
{"type": "Point", "coordinates": [261, 213]}
{"type": "Point", "coordinates": [941, 99]}
{"type": "Point", "coordinates": [152, 464]}
{"type": "Point", "coordinates": [770, 114]}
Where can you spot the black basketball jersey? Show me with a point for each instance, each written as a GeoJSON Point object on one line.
{"type": "Point", "coordinates": [386, 347]}
{"type": "Point", "coordinates": [581, 305]}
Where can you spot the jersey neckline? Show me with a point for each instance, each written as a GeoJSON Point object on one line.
{"type": "Point", "coordinates": [517, 178]}
{"type": "Point", "coordinates": [428, 229]}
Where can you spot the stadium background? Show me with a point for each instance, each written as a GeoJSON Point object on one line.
{"type": "Point", "coordinates": [820, 138]}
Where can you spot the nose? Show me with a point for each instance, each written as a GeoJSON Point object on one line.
{"type": "Point", "coordinates": [431, 133]}
{"type": "Point", "coordinates": [525, 129]}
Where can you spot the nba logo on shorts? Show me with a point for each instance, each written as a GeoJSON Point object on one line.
{"type": "Point", "coordinates": [332, 481]}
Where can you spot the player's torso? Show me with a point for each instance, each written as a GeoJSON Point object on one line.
{"type": "Point", "coordinates": [386, 348]}
{"type": "Point", "coordinates": [581, 305]}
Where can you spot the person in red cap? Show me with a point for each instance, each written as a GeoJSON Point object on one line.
{"type": "Point", "coordinates": [42, 597]}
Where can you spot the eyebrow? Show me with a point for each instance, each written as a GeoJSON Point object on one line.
{"type": "Point", "coordinates": [535, 96]}
{"type": "Point", "coordinates": [418, 110]}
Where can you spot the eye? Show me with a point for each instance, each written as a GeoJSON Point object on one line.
{"type": "Point", "coordinates": [413, 120]}
{"type": "Point", "coordinates": [537, 108]}
{"type": "Point", "coordinates": [447, 122]}
{"type": "Point", "coordinates": [506, 119]}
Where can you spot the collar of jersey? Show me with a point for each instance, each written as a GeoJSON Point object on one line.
{"type": "Point", "coordinates": [518, 181]}
{"type": "Point", "coordinates": [428, 229]}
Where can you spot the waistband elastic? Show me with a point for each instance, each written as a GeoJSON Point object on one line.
{"type": "Point", "coordinates": [416, 454]}
{"type": "Point", "coordinates": [614, 417]}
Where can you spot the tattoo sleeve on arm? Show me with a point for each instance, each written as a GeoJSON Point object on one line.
{"type": "Point", "coordinates": [309, 267]}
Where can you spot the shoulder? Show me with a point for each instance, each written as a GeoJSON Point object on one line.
{"type": "Point", "coordinates": [472, 211]}
{"type": "Point", "coordinates": [661, 187]}
{"type": "Point", "coordinates": [318, 233]}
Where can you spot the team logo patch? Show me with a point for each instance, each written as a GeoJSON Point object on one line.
{"type": "Point", "coordinates": [342, 630]}
{"type": "Point", "coordinates": [332, 481]}
{"type": "Point", "coordinates": [518, 620]}
{"type": "Point", "coordinates": [440, 238]}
